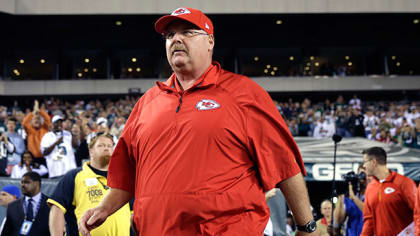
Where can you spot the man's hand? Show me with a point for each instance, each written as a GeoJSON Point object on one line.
{"type": "Point", "coordinates": [4, 137]}
{"type": "Point", "coordinates": [92, 219]}
{"type": "Point", "coordinates": [351, 192]}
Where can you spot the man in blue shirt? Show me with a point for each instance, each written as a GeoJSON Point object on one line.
{"type": "Point", "coordinates": [17, 140]}
{"type": "Point", "coordinates": [351, 207]}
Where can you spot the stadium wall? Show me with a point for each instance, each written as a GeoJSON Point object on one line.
{"type": "Point", "coordinates": [59, 7]}
{"type": "Point", "coordinates": [7, 6]}
{"type": "Point", "coordinates": [272, 84]}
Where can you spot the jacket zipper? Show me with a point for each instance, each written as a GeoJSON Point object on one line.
{"type": "Point", "coordinates": [179, 105]}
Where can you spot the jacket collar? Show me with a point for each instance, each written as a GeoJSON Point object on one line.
{"type": "Point", "coordinates": [390, 177]}
{"type": "Point", "coordinates": [208, 78]}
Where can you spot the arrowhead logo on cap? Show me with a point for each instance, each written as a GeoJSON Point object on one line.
{"type": "Point", "coordinates": [207, 26]}
{"type": "Point", "coordinates": [180, 11]}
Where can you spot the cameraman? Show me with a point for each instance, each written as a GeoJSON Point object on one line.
{"type": "Point", "coordinates": [351, 206]}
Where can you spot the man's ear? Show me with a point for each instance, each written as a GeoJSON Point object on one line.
{"type": "Point", "coordinates": [211, 41]}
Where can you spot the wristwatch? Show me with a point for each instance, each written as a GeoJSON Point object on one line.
{"type": "Point", "coordinates": [308, 227]}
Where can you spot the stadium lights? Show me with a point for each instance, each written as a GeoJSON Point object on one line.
{"type": "Point", "coordinates": [94, 69]}
{"type": "Point", "coordinates": [21, 61]}
{"type": "Point", "coordinates": [350, 63]}
{"type": "Point", "coordinates": [394, 57]}
{"type": "Point", "coordinates": [273, 73]}
{"type": "Point", "coordinates": [398, 63]}
{"type": "Point", "coordinates": [86, 70]}
{"type": "Point", "coordinates": [347, 57]}
{"type": "Point", "coordinates": [279, 22]}
{"type": "Point", "coordinates": [42, 60]}
{"type": "Point", "coordinates": [307, 68]}
{"type": "Point", "coordinates": [138, 69]}
{"type": "Point", "coordinates": [268, 66]}
{"type": "Point", "coordinates": [316, 64]}
{"type": "Point", "coordinates": [79, 74]}
{"type": "Point", "coordinates": [16, 72]}
{"type": "Point", "coordinates": [308, 64]}
{"type": "Point", "coordinates": [87, 60]}
{"type": "Point", "coordinates": [275, 68]}
{"type": "Point", "coordinates": [133, 59]}
{"type": "Point", "coordinates": [256, 58]}
{"type": "Point", "coordinates": [312, 58]}
{"type": "Point", "coordinates": [291, 58]}
{"type": "Point", "coordinates": [265, 71]}
{"type": "Point", "coordinates": [416, 21]}
{"type": "Point", "coordinates": [118, 23]}
{"type": "Point", "coordinates": [130, 69]}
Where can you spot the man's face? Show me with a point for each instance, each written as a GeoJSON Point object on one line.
{"type": "Point", "coordinates": [58, 126]}
{"type": "Point", "coordinates": [369, 165]}
{"type": "Point", "coordinates": [36, 121]}
{"type": "Point", "coordinates": [6, 198]}
{"type": "Point", "coordinates": [326, 209]}
{"type": "Point", "coordinates": [188, 53]}
{"type": "Point", "coordinates": [29, 187]}
{"type": "Point", "coordinates": [100, 153]}
{"type": "Point", "coordinates": [11, 126]}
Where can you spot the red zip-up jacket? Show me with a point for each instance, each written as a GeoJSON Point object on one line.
{"type": "Point", "coordinates": [200, 160]}
{"type": "Point", "coordinates": [388, 206]}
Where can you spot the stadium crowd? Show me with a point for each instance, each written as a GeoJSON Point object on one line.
{"type": "Point", "coordinates": [25, 127]}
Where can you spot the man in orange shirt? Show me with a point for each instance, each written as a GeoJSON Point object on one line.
{"type": "Point", "coordinates": [199, 150]}
{"type": "Point", "coordinates": [35, 130]}
{"type": "Point", "coordinates": [389, 198]}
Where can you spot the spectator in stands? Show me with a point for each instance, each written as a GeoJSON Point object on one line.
{"type": "Point", "coordinates": [6, 149]}
{"type": "Point", "coordinates": [408, 136]}
{"type": "Point", "coordinates": [304, 126]}
{"type": "Point", "coordinates": [341, 121]}
{"type": "Point", "coordinates": [355, 124]}
{"type": "Point", "coordinates": [323, 225]}
{"type": "Point", "coordinates": [35, 130]}
{"type": "Point", "coordinates": [416, 132]}
{"type": "Point", "coordinates": [8, 194]}
{"type": "Point", "coordinates": [389, 198]}
{"type": "Point", "coordinates": [370, 121]}
{"type": "Point", "coordinates": [118, 126]}
{"type": "Point", "coordinates": [29, 214]}
{"type": "Point", "coordinates": [58, 150]}
{"type": "Point", "coordinates": [80, 145]}
{"type": "Point", "coordinates": [324, 128]}
{"type": "Point", "coordinates": [101, 128]}
{"type": "Point", "coordinates": [355, 102]}
{"type": "Point", "coordinates": [82, 189]}
{"type": "Point", "coordinates": [27, 165]}
{"type": "Point", "coordinates": [293, 127]}
{"type": "Point", "coordinates": [17, 141]}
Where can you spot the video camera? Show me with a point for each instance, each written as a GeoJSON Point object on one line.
{"type": "Point", "coordinates": [354, 179]}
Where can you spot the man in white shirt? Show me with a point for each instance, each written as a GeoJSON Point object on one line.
{"type": "Point", "coordinates": [324, 128]}
{"type": "Point", "coordinates": [57, 148]}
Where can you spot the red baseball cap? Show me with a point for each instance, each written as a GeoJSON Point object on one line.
{"type": "Point", "coordinates": [191, 15]}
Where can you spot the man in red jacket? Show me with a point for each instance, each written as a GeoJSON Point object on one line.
{"type": "Point", "coordinates": [199, 150]}
{"type": "Point", "coordinates": [389, 198]}
{"type": "Point", "coordinates": [417, 213]}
